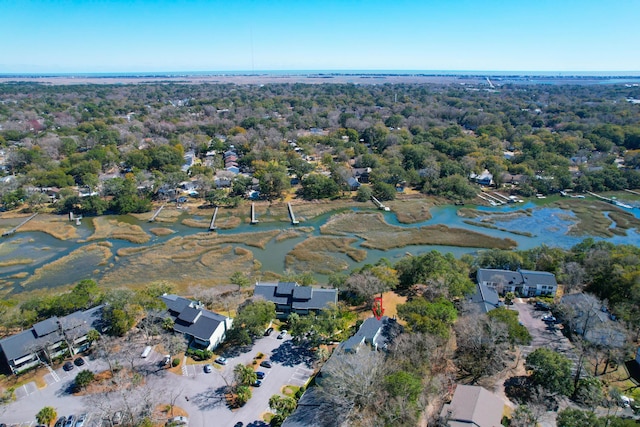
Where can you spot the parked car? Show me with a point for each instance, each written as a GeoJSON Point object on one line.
{"type": "Point", "coordinates": [260, 375]}
{"type": "Point", "coordinates": [208, 368]}
{"type": "Point", "coordinates": [60, 423]}
{"type": "Point", "coordinates": [221, 360]}
{"type": "Point", "coordinates": [68, 366]}
{"type": "Point", "coordinates": [268, 332]}
{"type": "Point", "coordinates": [542, 306]}
{"type": "Point", "coordinates": [549, 318]}
{"type": "Point", "coordinates": [257, 383]}
{"type": "Point", "coordinates": [117, 418]}
{"type": "Point", "coordinates": [79, 361]}
{"type": "Point", "coordinates": [70, 421]}
{"type": "Point", "coordinates": [280, 336]}
{"type": "Point", "coordinates": [166, 359]}
{"type": "Point", "coordinates": [81, 420]}
{"type": "Point", "coordinates": [265, 364]}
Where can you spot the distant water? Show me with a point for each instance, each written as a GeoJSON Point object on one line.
{"type": "Point", "coordinates": [463, 73]}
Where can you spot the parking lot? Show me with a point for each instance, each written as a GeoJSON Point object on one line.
{"type": "Point", "coordinates": [543, 334]}
{"type": "Point", "coordinates": [201, 394]}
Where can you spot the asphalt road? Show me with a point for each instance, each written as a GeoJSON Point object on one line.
{"type": "Point", "coordinates": [200, 394]}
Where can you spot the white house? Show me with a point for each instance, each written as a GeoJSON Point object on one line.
{"type": "Point", "coordinates": [204, 328]}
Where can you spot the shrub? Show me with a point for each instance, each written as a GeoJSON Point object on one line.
{"type": "Point", "coordinates": [175, 362]}
{"type": "Point", "coordinates": [199, 354]}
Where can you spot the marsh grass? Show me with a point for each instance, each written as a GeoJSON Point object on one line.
{"type": "Point", "coordinates": [317, 254]}
{"type": "Point", "coordinates": [161, 231]}
{"type": "Point", "coordinates": [201, 259]}
{"type": "Point", "coordinates": [15, 261]}
{"type": "Point", "coordinates": [54, 225]}
{"type": "Point", "coordinates": [493, 227]}
{"type": "Point", "coordinates": [591, 219]}
{"type": "Point", "coordinates": [106, 228]}
{"type": "Point", "coordinates": [86, 253]}
{"type": "Point", "coordinates": [380, 235]}
{"type": "Point", "coordinates": [410, 211]}
{"type": "Point", "coordinates": [292, 233]}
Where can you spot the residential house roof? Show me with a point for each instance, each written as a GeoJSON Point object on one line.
{"type": "Point", "coordinates": [49, 331]}
{"type": "Point", "coordinates": [374, 332]}
{"type": "Point", "coordinates": [46, 327]}
{"type": "Point", "coordinates": [485, 298]}
{"type": "Point", "coordinates": [296, 296]}
{"type": "Point", "coordinates": [473, 405]}
{"type": "Point", "coordinates": [191, 318]}
{"type": "Point", "coordinates": [520, 277]}
{"type": "Point", "coordinates": [175, 303]}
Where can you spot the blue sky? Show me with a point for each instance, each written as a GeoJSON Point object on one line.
{"type": "Point", "coordinates": [146, 36]}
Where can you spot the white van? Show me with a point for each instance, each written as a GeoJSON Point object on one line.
{"type": "Point", "coordinates": [146, 352]}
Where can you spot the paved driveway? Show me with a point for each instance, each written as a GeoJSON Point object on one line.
{"type": "Point", "coordinates": [543, 335]}
{"type": "Point", "coordinates": [200, 394]}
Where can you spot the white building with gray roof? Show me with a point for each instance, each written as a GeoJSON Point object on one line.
{"type": "Point", "coordinates": [289, 297]}
{"type": "Point", "coordinates": [49, 339]}
{"type": "Point", "coordinates": [204, 328]}
{"type": "Point", "coordinates": [527, 283]}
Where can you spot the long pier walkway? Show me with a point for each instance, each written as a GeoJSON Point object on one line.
{"type": "Point", "coordinates": [293, 217]}
{"type": "Point", "coordinates": [212, 226]}
{"type": "Point", "coordinates": [153, 218]}
{"type": "Point", "coordinates": [14, 229]}
{"type": "Point", "coordinates": [253, 214]}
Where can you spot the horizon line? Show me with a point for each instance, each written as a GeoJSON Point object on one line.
{"type": "Point", "coordinates": [399, 72]}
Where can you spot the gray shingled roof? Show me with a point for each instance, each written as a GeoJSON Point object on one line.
{"type": "Point", "coordinates": [47, 332]}
{"type": "Point", "coordinates": [474, 404]}
{"type": "Point", "coordinates": [295, 296]}
{"type": "Point", "coordinates": [320, 298]}
{"type": "Point", "coordinates": [189, 315]}
{"type": "Point", "coordinates": [285, 288]}
{"type": "Point", "coordinates": [203, 328]}
{"type": "Point", "coordinates": [507, 276]}
{"type": "Point", "coordinates": [46, 327]}
{"type": "Point", "coordinates": [486, 298]}
{"type": "Point", "coordinates": [268, 292]}
{"type": "Point", "coordinates": [539, 278]}
{"type": "Point", "coordinates": [175, 303]}
{"type": "Point", "coordinates": [302, 292]}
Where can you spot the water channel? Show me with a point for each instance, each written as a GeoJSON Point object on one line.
{"type": "Point", "coordinates": [542, 224]}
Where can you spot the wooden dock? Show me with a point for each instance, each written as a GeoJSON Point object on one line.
{"type": "Point", "coordinates": [14, 229]}
{"type": "Point", "coordinates": [632, 192]}
{"type": "Point", "coordinates": [212, 226]}
{"type": "Point", "coordinates": [153, 218]}
{"type": "Point", "coordinates": [253, 214]}
{"type": "Point", "coordinates": [291, 215]}
{"type": "Point", "coordinates": [379, 204]}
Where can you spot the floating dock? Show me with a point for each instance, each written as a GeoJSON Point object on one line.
{"type": "Point", "coordinates": [212, 226]}
{"type": "Point", "coordinates": [379, 204]}
{"type": "Point", "coordinates": [291, 215]}
{"type": "Point", "coordinates": [14, 229]}
{"type": "Point", "coordinates": [153, 218]}
{"type": "Point", "coordinates": [253, 214]}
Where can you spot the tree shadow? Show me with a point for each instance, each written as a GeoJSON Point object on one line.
{"type": "Point", "coordinates": [210, 399]}
{"type": "Point", "coordinates": [289, 354]}
{"type": "Point", "coordinates": [257, 424]}
{"type": "Point", "coordinates": [67, 389]}
{"type": "Point", "coordinates": [234, 351]}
